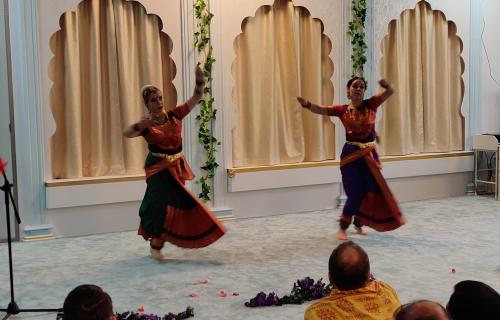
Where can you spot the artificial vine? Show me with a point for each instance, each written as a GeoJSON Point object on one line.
{"type": "Point", "coordinates": [207, 114]}
{"type": "Point", "coordinates": [356, 31]}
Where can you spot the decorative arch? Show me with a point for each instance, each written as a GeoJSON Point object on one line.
{"type": "Point", "coordinates": [104, 52]}
{"type": "Point", "coordinates": [421, 57]}
{"type": "Point", "coordinates": [281, 53]}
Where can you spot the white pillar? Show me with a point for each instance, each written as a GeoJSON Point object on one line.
{"type": "Point", "coordinates": [28, 130]}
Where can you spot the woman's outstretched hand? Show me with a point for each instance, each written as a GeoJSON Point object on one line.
{"type": "Point", "coordinates": [388, 90]}
{"type": "Point", "coordinates": [199, 80]}
{"type": "Point", "coordinates": [383, 83]}
{"type": "Point", "coordinates": [136, 129]}
{"type": "Point", "coordinates": [304, 103]}
{"type": "Point", "coordinates": [198, 89]}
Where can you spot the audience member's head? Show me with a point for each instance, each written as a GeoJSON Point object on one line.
{"type": "Point", "coordinates": [421, 310]}
{"type": "Point", "coordinates": [474, 300]}
{"type": "Point", "coordinates": [349, 267]}
{"type": "Point", "coordinates": [88, 302]}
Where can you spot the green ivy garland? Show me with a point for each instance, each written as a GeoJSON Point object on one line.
{"type": "Point", "coordinates": [207, 114]}
{"type": "Point", "coordinates": [356, 31]}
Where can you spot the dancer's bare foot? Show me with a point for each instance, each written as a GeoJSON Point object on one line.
{"type": "Point", "coordinates": [360, 231]}
{"type": "Point", "coordinates": [157, 255]}
{"type": "Point", "coordinates": [341, 234]}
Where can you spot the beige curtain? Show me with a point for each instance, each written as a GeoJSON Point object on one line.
{"type": "Point", "coordinates": [282, 53]}
{"type": "Point", "coordinates": [104, 53]}
{"type": "Point", "coordinates": [421, 58]}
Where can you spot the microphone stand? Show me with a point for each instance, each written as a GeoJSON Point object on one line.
{"type": "Point", "coordinates": [12, 308]}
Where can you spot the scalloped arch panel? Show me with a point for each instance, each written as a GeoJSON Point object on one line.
{"type": "Point", "coordinates": [281, 53]}
{"type": "Point", "coordinates": [104, 52]}
{"type": "Point", "coordinates": [421, 57]}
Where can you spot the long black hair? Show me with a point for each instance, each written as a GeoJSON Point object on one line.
{"type": "Point", "coordinates": [354, 79]}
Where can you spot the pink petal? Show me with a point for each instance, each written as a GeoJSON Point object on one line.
{"type": "Point", "coordinates": [222, 293]}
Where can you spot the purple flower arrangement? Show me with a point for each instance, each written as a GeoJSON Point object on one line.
{"type": "Point", "coordinates": [129, 315]}
{"type": "Point", "coordinates": [188, 313]}
{"type": "Point", "coordinates": [303, 290]}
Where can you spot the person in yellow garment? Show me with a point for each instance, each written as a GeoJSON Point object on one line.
{"type": "Point", "coordinates": [356, 295]}
{"type": "Point", "coordinates": [169, 211]}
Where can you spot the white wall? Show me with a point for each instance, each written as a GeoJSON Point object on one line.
{"type": "Point", "coordinates": [32, 22]}
{"type": "Point", "coordinates": [477, 24]}
{"type": "Point", "coordinates": [49, 13]}
{"type": "Point", "coordinates": [178, 23]}
{"type": "Point", "coordinates": [228, 18]}
{"type": "Point", "coordinates": [312, 195]}
{"type": "Point", "coordinates": [490, 84]}
{"type": "Point", "coordinates": [457, 11]}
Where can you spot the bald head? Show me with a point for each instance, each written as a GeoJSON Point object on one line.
{"type": "Point", "coordinates": [349, 266]}
{"type": "Point", "coordinates": [350, 256]}
{"type": "Point", "coordinates": [421, 310]}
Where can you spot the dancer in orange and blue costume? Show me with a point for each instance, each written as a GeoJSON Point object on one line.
{"type": "Point", "coordinates": [169, 211]}
{"type": "Point", "coordinates": [369, 199]}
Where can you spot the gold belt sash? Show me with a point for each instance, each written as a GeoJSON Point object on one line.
{"type": "Point", "coordinates": [361, 144]}
{"type": "Point", "coordinates": [169, 157]}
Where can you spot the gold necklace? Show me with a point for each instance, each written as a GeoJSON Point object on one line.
{"type": "Point", "coordinates": [159, 118]}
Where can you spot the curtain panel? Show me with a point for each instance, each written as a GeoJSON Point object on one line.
{"type": "Point", "coordinates": [281, 53]}
{"type": "Point", "coordinates": [422, 60]}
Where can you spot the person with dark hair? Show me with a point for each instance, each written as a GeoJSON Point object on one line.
{"type": "Point", "coordinates": [88, 302]}
{"type": "Point", "coordinates": [356, 295]}
{"type": "Point", "coordinates": [473, 300]}
{"type": "Point", "coordinates": [369, 199]}
{"type": "Point", "coordinates": [421, 310]}
{"type": "Point", "coordinates": [169, 211]}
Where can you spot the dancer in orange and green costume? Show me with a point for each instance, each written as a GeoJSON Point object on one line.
{"type": "Point", "coordinates": [169, 211]}
{"type": "Point", "coordinates": [369, 199]}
